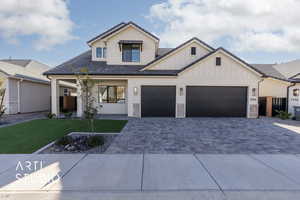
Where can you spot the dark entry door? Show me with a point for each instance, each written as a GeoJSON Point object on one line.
{"type": "Point", "coordinates": [158, 101]}
{"type": "Point", "coordinates": [216, 101]}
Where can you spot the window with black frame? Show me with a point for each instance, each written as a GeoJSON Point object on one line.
{"type": "Point", "coordinates": [131, 52]}
{"type": "Point", "coordinates": [111, 94]}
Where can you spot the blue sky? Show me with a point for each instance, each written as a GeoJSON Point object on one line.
{"type": "Point", "coordinates": [93, 17]}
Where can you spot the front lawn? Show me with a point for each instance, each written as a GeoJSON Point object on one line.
{"type": "Point", "coordinates": [30, 136]}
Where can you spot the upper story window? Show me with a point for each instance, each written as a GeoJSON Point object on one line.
{"type": "Point", "coordinates": [131, 52]}
{"type": "Point", "coordinates": [193, 51]}
{"type": "Point", "coordinates": [101, 52]}
{"type": "Point", "coordinates": [218, 61]}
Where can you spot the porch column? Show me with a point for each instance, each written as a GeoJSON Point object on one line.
{"type": "Point", "coordinates": [79, 100]}
{"type": "Point", "coordinates": [54, 97]}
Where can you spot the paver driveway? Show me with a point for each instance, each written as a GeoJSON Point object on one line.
{"type": "Point", "coordinates": [209, 136]}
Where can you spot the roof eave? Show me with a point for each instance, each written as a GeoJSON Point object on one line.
{"type": "Point", "coordinates": [107, 74]}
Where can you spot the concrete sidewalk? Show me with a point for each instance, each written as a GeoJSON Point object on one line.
{"type": "Point", "coordinates": [149, 176]}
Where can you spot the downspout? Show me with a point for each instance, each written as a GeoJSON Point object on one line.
{"type": "Point", "coordinates": [258, 89]}
{"type": "Point", "coordinates": [288, 96]}
{"type": "Point", "coordinates": [19, 95]}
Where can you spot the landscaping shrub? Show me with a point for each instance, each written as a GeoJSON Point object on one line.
{"type": "Point", "coordinates": [94, 141]}
{"type": "Point", "coordinates": [68, 115]}
{"type": "Point", "coordinates": [50, 115]}
{"type": "Point", "coordinates": [283, 114]}
{"type": "Point", "coordinates": [64, 140]}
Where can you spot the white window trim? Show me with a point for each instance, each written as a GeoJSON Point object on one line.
{"type": "Point", "coordinates": [102, 53]}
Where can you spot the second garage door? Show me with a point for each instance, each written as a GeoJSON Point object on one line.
{"type": "Point", "coordinates": [158, 101]}
{"type": "Point", "coordinates": [212, 101]}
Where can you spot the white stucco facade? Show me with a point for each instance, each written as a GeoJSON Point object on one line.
{"type": "Point", "coordinates": [271, 87]}
{"type": "Point", "coordinates": [190, 70]}
{"type": "Point", "coordinates": [23, 96]}
{"type": "Point", "coordinates": [114, 53]}
{"type": "Point", "coordinates": [181, 57]}
{"type": "Point", "coordinates": [205, 73]}
{"type": "Point", "coordinates": [293, 100]}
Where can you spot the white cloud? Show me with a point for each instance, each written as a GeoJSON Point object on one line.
{"type": "Point", "coordinates": [265, 25]}
{"type": "Point", "coordinates": [47, 19]}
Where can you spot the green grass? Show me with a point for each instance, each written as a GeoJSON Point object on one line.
{"type": "Point", "coordinates": [30, 136]}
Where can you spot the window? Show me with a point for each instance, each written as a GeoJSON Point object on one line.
{"type": "Point", "coordinates": [296, 92]}
{"type": "Point", "coordinates": [111, 94]}
{"type": "Point", "coordinates": [101, 52]}
{"type": "Point", "coordinates": [66, 92]}
{"type": "Point", "coordinates": [131, 53]}
{"type": "Point", "coordinates": [193, 51]}
{"type": "Point", "coordinates": [218, 61]}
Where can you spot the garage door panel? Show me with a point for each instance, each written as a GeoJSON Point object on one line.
{"type": "Point", "coordinates": [158, 101]}
{"type": "Point", "coordinates": [211, 101]}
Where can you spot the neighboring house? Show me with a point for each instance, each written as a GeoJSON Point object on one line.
{"type": "Point", "coordinates": [138, 78]}
{"type": "Point", "coordinates": [26, 88]}
{"type": "Point", "coordinates": [280, 87]}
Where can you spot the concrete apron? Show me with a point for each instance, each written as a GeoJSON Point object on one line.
{"type": "Point", "coordinates": [150, 176]}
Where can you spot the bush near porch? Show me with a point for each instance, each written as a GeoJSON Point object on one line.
{"type": "Point", "coordinates": [30, 136]}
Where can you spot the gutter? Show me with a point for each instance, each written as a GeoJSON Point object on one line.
{"type": "Point", "coordinates": [288, 95]}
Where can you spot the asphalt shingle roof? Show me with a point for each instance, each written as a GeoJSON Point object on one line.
{"type": "Point", "coordinates": [19, 62]}
{"type": "Point", "coordinates": [162, 51]}
{"type": "Point", "coordinates": [269, 70]}
{"type": "Point", "coordinates": [84, 60]}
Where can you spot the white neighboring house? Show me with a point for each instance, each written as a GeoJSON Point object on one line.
{"type": "Point", "coordinates": [27, 89]}
{"type": "Point", "coordinates": [138, 78]}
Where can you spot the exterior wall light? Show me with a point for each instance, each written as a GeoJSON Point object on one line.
{"type": "Point", "coordinates": [254, 92]}
{"type": "Point", "coordinates": [181, 91]}
{"type": "Point", "coordinates": [296, 92]}
{"type": "Point", "coordinates": [135, 91]}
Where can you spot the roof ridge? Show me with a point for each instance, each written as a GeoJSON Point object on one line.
{"type": "Point", "coordinates": [122, 24]}
{"type": "Point", "coordinates": [119, 27]}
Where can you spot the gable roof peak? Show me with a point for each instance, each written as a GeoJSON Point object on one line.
{"type": "Point", "coordinates": [118, 27]}
{"type": "Point", "coordinates": [228, 53]}
{"type": "Point", "coordinates": [176, 48]}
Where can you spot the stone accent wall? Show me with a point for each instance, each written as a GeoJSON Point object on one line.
{"type": "Point", "coordinates": [180, 110]}
{"type": "Point", "coordinates": [253, 111]}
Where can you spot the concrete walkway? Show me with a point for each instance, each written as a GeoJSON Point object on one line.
{"type": "Point", "coordinates": [150, 176]}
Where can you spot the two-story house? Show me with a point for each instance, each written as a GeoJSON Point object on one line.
{"type": "Point", "coordinates": [138, 78]}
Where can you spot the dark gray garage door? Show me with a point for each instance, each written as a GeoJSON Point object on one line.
{"type": "Point", "coordinates": [209, 101]}
{"type": "Point", "coordinates": [158, 101]}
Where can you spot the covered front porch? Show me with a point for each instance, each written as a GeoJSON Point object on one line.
{"type": "Point", "coordinates": [109, 95]}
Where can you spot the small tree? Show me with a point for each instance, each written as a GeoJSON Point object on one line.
{"type": "Point", "coordinates": [86, 84]}
{"type": "Point", "coordinates": [2, 95]}
{"type": "Point", "coordinates": [2, 108]}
